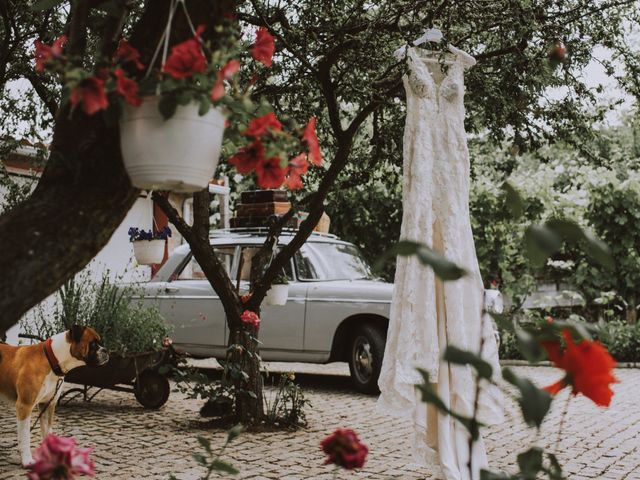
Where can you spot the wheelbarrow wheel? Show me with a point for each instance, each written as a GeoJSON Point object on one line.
{"type": "Point", "coordinates": [151, 389]}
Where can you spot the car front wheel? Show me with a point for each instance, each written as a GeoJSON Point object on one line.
{"type": "Point", "coordinates": [365, 357]}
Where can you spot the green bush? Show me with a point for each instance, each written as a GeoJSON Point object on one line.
{"type": "Point", "coordinates": [621, 339]}
{"type": "Point", "coordinates": [124, 323]}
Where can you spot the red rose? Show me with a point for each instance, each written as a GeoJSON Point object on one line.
{"type": "Point", "coordinates": [260, 126]}
{"type": "Point", "coordinates": [126, 53]}
{"type": "Point", "coordinates": [297, 167]}
{"type": "Point", "coordinates": [588, 366]}
{"type": "Point", "coordinates": [45, 53]}
{"type": "Point", "coordinates": [91, 93]}
{"type": "Point", "coordinates": [225, 73]}
{"type": "Point", "coordinates": [344, 449]}
{"type": "Point", "coordinates": [250, 318]}
{"type": "Point", "coordinates": [309, 136]}
{"type": "Point", "coordinates": [270, 173]}
{"type": "Point", "coordinates": [264, 46]}
{"type": "Point", "coordinates": [186, 58]}
{"type": "Point", "coordinates": [248, 157]}
{"type": "Point", "coordinates": [127, 88]}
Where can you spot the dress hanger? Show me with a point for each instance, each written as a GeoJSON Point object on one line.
{"type": "Point", "coordinates": [434, 36]}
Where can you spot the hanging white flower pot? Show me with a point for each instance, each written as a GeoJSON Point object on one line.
{"type": "Point", "coordinates": [277, 295]}
{"type": "Point", "coordinates": [149, 252]}
{"type": "Point", "coordinates": [178, 154]}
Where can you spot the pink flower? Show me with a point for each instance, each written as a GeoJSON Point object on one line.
{"type": "Point", "coordinates": [311, 139]}
{"type": "Point", "coordinates": [57, 458]}
{"type": "Point", "coordinates": [45, 53]}
{"type": "Point", "coordinates": [264, 47]}
{"type": "Point", "coordinates": [297, 167]}
{"type": "Point", "coordinates": [225, 73]}
{"type": "Point", "coordinates": [250, 318]}
{"type": "Point", "coordinates": [258, 127]}
{"type": "Point", "coordinates": [270, 173]}
{"type": "Point", "coordinates": [127, 88]}
{"type": "Point", "coordinates": [91, 93]}
{"type": "Point", "coordinates": [126, 53]}
{"type": "Point", "coordinates": [248, 157]}
{"type": "Point", "coordinates": [186, 58]}
{"type": "Point", "coordinates": [344, 449]}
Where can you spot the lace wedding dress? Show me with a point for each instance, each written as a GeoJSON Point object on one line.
{"type": "Point", "coordinates": [427, 314]}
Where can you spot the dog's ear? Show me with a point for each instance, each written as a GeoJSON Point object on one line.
{"type": "Point", "coordinates": [76, 333]}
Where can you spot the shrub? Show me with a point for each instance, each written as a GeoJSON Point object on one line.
{"type": "Point", "coordinates": [125, 325]}
{"type": "Point", "coordinates": [621, 339]}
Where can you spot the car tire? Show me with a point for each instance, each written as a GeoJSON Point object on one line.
{"type": "Point", "coordinates": [366, 350]}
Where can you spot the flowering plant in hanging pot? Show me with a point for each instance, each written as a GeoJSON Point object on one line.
{"type": "Point", "coordinates": [149, 246]}
{"type": "Point", "coordinates": [173, 112]}
{"type": "Point", "coordinates": [278, 294]}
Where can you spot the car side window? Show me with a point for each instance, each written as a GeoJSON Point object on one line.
{"type": "Point", "coordinates": [304, 265]}
{"type": "Point", "coordinates": [245, 262]}
{"type": "Point", "coordinates": [193, 271]}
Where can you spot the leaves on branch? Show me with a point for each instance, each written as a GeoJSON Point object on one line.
{"type": "Point", "coordinates": [42, 5]}
{"type": "Point", "coordinates": [514, 200]}
{"type": "Point", "coordinates": [534, 402]}
{"type": "Point", "coordinates": [465, 357]}
{"type": "Point", "coordinates": [445, 269]}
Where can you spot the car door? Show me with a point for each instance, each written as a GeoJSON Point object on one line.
{"type": "Point", "coordinates": [190, 304]}
{"type": "Point", "coordinates": [281, 327]}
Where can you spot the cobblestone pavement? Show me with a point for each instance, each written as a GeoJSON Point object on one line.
{"type": "Point", "coordinates": [132, 443]}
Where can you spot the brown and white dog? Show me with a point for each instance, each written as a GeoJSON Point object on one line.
{"type": "Point", "coordinates": [30, 376]}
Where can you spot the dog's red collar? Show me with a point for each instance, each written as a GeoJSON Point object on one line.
{"type": "Point", "coordinates": [51, 357]}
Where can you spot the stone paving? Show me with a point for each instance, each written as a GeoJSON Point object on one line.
{"type": "Point", "coordinates": [132, 443]}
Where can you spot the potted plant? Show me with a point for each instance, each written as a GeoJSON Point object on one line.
{"type": "Point", "coordinates": [149, 246]}
{"type": "Point", "coordinates": [279, 291]}
{"type": "Point", "coordinates": [134, 334]}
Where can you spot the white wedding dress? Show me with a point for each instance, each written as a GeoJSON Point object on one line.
{"type": "Point", "coordinates": [427, 314]}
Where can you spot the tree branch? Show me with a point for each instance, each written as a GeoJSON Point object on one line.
{"type": "Point", "coordinates": [113, 30]}
{"type": "Point", "coordinates": [43, 92]}
{"type": "Point", "coordinates": [78, 28]}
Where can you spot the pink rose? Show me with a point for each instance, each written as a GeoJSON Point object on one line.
{"type": "Point", "coordinates": [57, 458]}
{"type": "Point", "coordinates": [250, 318]}
{"type": "Point", "coordinates": [344, 449]}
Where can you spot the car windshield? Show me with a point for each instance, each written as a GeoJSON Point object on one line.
{"type": "Point", "coordinates": [331, 261]}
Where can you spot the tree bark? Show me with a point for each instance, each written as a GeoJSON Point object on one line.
{"type": "Point", "coordinates": [84, 192]}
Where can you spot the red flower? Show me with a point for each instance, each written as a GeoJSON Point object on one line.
{"type": "Point", "coordinates": [270, 173]}
{"type": "Point", "coordinates": [225, 73]}
{"type": "Point", "coordinates": [297, 167]}
{"type": "Point", "coordinates": [127, 88]}
{"type": "Point", "coordinates": [250, 318]}
{"type": "Point", "coordinates": [264, 46]}
{"type": "Point", "coordinates": [309, 136]}
{"type": "Point", "coordinates": [246, 297]}
{"type": "Point", "coordinates": [344, 449]}
{"type": "Point", "coordinates": [260, 126]}
{"type": "Point", "coordinates": [45, 53]}
{"type": "Point", "coordinates": [126, 53]}
{"type": "Point", "coordinates": [588, 366]}
{"type": "Point", "coordinates": [91, 93]}
{"type": "Point", "coordinates": [186, 58]}
{"type": "Point", "coordinates": [248, 157]}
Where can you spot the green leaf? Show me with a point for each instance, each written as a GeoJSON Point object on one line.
{"type": "Point", "coordinates": [167, 106]}
{"type": "Point", "coordinates": [205, 105]}
{"type": "Point", "coordinates": [541, 243]}
{"type": "Point", "coordinates": [503, 321]}
{"type": "Point", "coordinates": [45, 5]}
{"type": "Point", "coordinates": [530, 463]}
{"type": "Point", "coordinates": [599, 251]}
{"type": "Point", "coordinates": [234, 432]}
{"type": "Point", "coordinates": [206, 443]}
{"type": "Point", "coordinates": [464, 357]}
{"type": "Point", "coordinates": [222, 466]}
{"type": "Point", "coordinates": [555, 470]}
{"type": "Point", "coordinates": [429, 395]}
{"type": "Point", "coordinates": [199, 458]}
{"type": "Point", "coordinates": [443, 268]}
{"type": "Point", "coordinates": [513, 199]}
{"type": "Point", "coordinates": [529, 346]}
{"type": "Point", "coordinates": [534, 403]}
{"type": "Point", "coordinates": [184, 97]}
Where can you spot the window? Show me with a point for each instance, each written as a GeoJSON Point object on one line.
{"type": "Point", "coordinates": [331, 261]}
{"type": "Point", "coordinates": [245, 262]}
{"type": "Point", "coordinates": [193, 271]}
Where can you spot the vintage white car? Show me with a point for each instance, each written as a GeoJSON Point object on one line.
{"type": "Point", "coordinates": [337, 310]}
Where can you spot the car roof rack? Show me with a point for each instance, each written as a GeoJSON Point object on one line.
{"type": "Point", "coordinates": [262, 231]}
